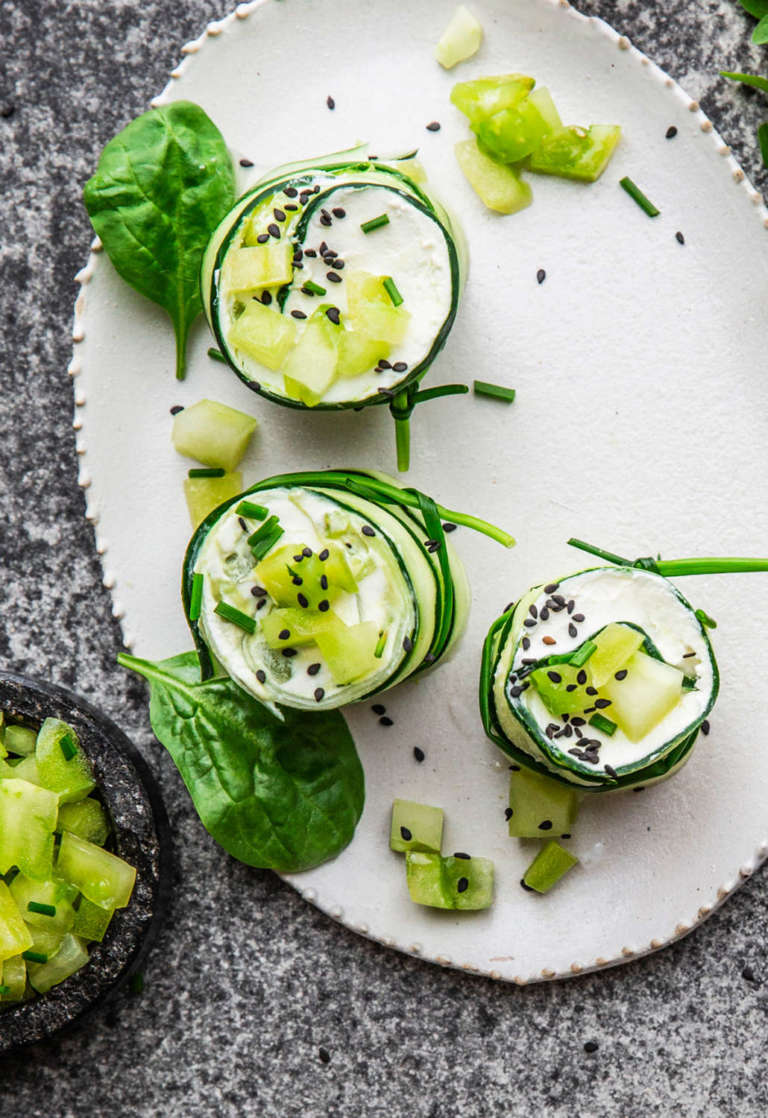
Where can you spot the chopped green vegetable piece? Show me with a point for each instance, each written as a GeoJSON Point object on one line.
{"type": "Point", "coordinates": [453, 883]}
{"type": "Point", "coordinates": [206, 471]}
{"type": "Point", "coordinates": [538, 805]}
{"type": "Point", "coordinates": [550, 864]}
{"type": "Point", "coordinates": [20, 740]}
{"type": "Point", "coordinates": [264, 334]}
{"type": "Point", "coordinates": [44, 904]}
{"type": "Point", "coordinates": [41, 909]}
{"type": "Point", "coordinates": [310, 368]}
{"type": "Point", "coordinates": [217, 355]}
{"type": "Point", "coordinates": [483, 97]}
{"type": "Point", "coordinates": [15, 936]}
{"type": "Point", "coordinates": [62, 765]}
{"type": "Point", "coordinates": [583, 653]}
{"type": "Point", "coordinates": [499, 187]}
{"type": "Point", "coordinates": [4, 991]}
{"type": "Point", "coordinates": [705, 620]}
{"type": "Point", "coordinates": [265, 545]}
{"type": "Point", "coordinates": [196, 596]}
{"type": "Point", "coordinates": [27, 821]}
{"type": "Point", "coordinates": [100, 876]}
{"type": "Point", "coordinates": [86, 819]}
{"type": "Point", "coordinates": [644, 696]}
{"type": "Point", "coordinates": [576, 153]}
{"type": "Point", "coordinates": [236, 616]}
{"type": "Point", "coordinates": [562, 688]}
{"type": "Point", "coordinates": [394, 294]}
{"type": "Point", "coordinates": [460, 40]}
{"type": "Point", "coordinates": [68, 747]}
{"type": "Point", "coordinates": [312, 288]}
{"type": "Point", "coordinates": [483, 388]}
{"type": "Point", "coordinates": [637, 195]}
{"type": "Point", "coordinates": [252, 511]}
{"type": "Point", "coordinates": [34, 956]}
{"type": "Point", "coordinates": [415, 827]}
{"type": "Point", "coordinates": [600, 722]}
{"type": "Point", "coordinates": [381, 644]}
{"type": "Point", "coordinates": [91, 920]}
{"type": "Point", "coordinates": [250, 269]}
{"type": "Point", "coordinates": [14, 973]}
{"type": "Point", "coordinates": [214, 434]}
{"type": "Point", "coordinates": [205, 494]}
{"type": "Point", "coordinates": [71, 956]}
{"type": "Point", "coordinates": [613, 647]}
{"type": "Point", "coordinates": [513, 133]}
{"type": "Point", "coordinates": [375, 223]}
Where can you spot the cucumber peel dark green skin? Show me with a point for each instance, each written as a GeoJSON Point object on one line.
{"type": "Point", "coordinates": [336, 483]}
{"type": "Point", "coordinates": [644, 771]}
{"type": "Point", "coordinates": [415, 197]}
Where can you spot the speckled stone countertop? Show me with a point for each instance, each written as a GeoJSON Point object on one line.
{"type": "Point", "coordinates": [272, 1009]}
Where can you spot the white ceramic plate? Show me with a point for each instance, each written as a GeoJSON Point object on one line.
{"type": "Point", "coordinates": [641, 423]}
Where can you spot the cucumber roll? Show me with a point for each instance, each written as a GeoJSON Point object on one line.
{"type": "Point", "coordinates": [314, 590]}
{"type": "Point", "coordinates": [600, 680]}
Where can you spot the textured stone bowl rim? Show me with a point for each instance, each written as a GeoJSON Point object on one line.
{"type": "Point", "coordinates": [127, 942]}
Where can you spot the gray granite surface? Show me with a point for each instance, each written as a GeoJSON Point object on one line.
{"type": "Point", "coordinates": [270, 1009]}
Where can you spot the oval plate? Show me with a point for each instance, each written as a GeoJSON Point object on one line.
{"type": "Point", "coordinates": [640, 420]}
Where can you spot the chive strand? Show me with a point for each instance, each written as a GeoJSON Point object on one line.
{"type": "Point", "coordinates": [496, 391]}
{"type": "Point", "coordinates": [196, 596]}
{"type": "Point", "coordinates": [600, 722]}
{"type": "Point", "coordinates": [236, 617]}
{"type": "Point", "coordinates": [636, 194]}
{"type": "Point", "coordinates": [381, 644]}
{"type": "Point", "coordinates": [41, 909]}
{"type": "Point", "coordinates": [68, 747]}
{"type": "Point", "coordinates": [391, 289]}
{"type": "Point", "coordinates": [582, 654]}
{"type": "Point", "coordinates": [251, 511]}
{"type": "Point", "coordinates": [207, 471]}
{"type": "Point", "coordinates": [312, 288]}
{"type": "Point", "coordinates": [34, 956]}
{"type": "Point", "coordinates": [4, 991]}
{"type": "Point", "coordinates": [375, 223]}
{"type": "Point", "coordinates": [706, 565]}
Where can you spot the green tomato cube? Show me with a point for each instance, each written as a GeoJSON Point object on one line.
{"type": "Point", "coordinates": [91, 920]}
{"type": "Point", "coordinates": [512, 134]}
{"type": "Point", "coordinates": [576, 153]}
{"type": "Point", "coordinates": [27, 822]}
{"type": "Point", "coordinates": [613, 647]}
{"type": "Point", "coordinates": [415, 827]}
{"type": "Point", "coordinates": [500, 188]}
{"type": "Point", "coordinates": [310, 368]}
{"type": "Point", "coordinates": [13, 974]}
{"type": "Point", "coordinates": [45, 941]}
{"type": "Point", "coordinates": [20, 740]}
{"type": "Point", "coordinates": [204, 494]}
{"type": "Point", "coordinates": [249, 270]}
{"type": "Point", "coordinates": [359, 353]}
{"type": "Point", "coordinates": [542, 100]}
{"type": "Point", "coordinates": [62, 765]}
{"type": "Point", "coordinates": [31, 896]}
{"type": "Point", "coordinates": [100, 876]}
{"type": "Point", "coordinates": [349, 651]}
{"type": "Point", "coordinates": [550, 864]}
{"type": "Point", "coordinates": [264, 334]}
{"type": "Point", "coordinates": [71, 956]}
{"type": "Point", "coordinates": [469, 882]}
{"type": "Point", "coordinates": [213, 433]}
{"type": "Point", "coordinates": [86, 819]}
{"type": "Point", "coordinates": [540, 806]}
{"type": "Point", "coordinates": [15, 936]}
{"type": "Point", "coordinates": [552, 684]}
{"type": "Point", "coordinates": [380, 322]}
{"type": "Point", "coordinates": [460, 40]}
{"type": "Point", "coordinates": [426, 880]}
{"type": "Point", "coordinates": [483, 97]}
{"type": "Point", "coordinates": [647, 693]}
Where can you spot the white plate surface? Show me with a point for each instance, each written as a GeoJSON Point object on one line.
{"type": "Point", "coordinates": [641, 423]}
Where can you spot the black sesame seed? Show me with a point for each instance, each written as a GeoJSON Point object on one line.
{"type": "Point", "coordinates": [298, 314]}
{"type": "Point", "coordinates": [526, 643]}
{"type": "Point", "coordinates": [261, 602]}
{"type": "Point", "coordinates": [246, 163]}
{"type": "Point", "coordinates": [508, 813]}
{"type": "Point", "coordinates": [462, 885]}
{"type": "Point", "coordinates": [406, 834]}
{"type": "Point", "coordinates": [379, 708]}
{"type": "Point", "coordinates": [559, 599]}
{"type": "Point", "coordinates": [333, 277]}
{"type": "Point", "coordinates": [461, 854]}
{"type": "Point", "coordinates": [324, 606]}
{"type": "Point", "coordinates": [541, 275]}
{"type": "Point", "coordinates": [323, 582]}
{"type": "Point", "coordinates": [386, 721]}
{"type": "Point", "coordinates": [338, 264]}
{"type": "Point", "coordinates": [449, 526]}
{"type": "Point", "coordinates": [337, 211]}
{"type": "Point", "coordinates": [748, 975]}
{"type": "Point", "coordinates": [571, 687]}
{"type": "Point", "coordinates": [326, 220]}
{"type": "Point", "coordinates": [621, 674]}
{"type": "Point", "coordinates": [551, 587]}
{"type": "Point", "coordinates": [591, 1046]}
{"type": "Point", "coordinates": [290, 192]}
{"type": "Point", "coordinates": [578, 616]}
{"type": "Point", "coordinates": [324, 248]}
{"type": "Point", "coordinates": [291, 206]}
{"type": "Point", "coordinates": [266, 298]}
{"type": "Point", "coordinates": [533, 611]}
{"type": "Point", "coordinates": [274, 230]}
{"type": "Point", "coordinates": [590, 710]}
{"type": "Point", "coordinates": [407, 644]}
{"type": "Point", "coordinates": [568, 732]}
{"type": "Point", "coordinates": [258, 591]}
{"type": "Point", "coordinates": [577, 731]}
{"type": "Point", "coordinates": [581, 678]}
{"type": "Point", "coordinates": [367, 530]}
{"type": "Point", "coordinates": [261, 676]}
{"type": "Point", "coordinates": [545, 825]}
{"type": "Point", "coordinates": [262, 238]}
{"type": "Point", "coordinates": [384, 364]}
{"type": "Point", "coordinates": [544, 614]}
{"type": "Point", "coordinates": [576, 721]}
{"type": "Point", "coordinates": [334, 315]}
{"type": "Point", "coordinates": [298, 558]}
{"type": "Point", "coordinates": [303, 602]}
{"type": "Point", "coordinates": [705, 727]}
{"type": "Point", "coordinates": [679, 238]}
{"type": "Point", "coordinates": [400, 366]}
{"type": "Point", "coordinates": [570, 606]}
{"type": "Point", "coordinates": [419, 754]}
{"type": "Point", "coordinates": [430, 658]}
{"type": "Point", "coordinates": [610, 770]}
{"type": "Point", "coordinates": [306, 552]}
{"type": "Point", "coordinates": [591, 690]}
{"type": "Point", "coordinates": [551, 729]}
{"type": "Point", "coordinates": [324, 555]}
{"type": "Point", "coordinates": [176, 409]}
{"type": "Point", "coordinates": [330, 102]}
{"type": "Point", "coordinates": [319, 694]}
{"type": "Point", "coordinates": [670, 133]}
{"type": "Point", "coordinates": [529, 623]}
{"type": "Point", "coordinates": [279, 215]}
{"type": "Point", "coordinates": [310, 252]}
{"type": "Point", "coordinates": [601, 704]}
{"type": "Point", "coordinates": [572, 630]}
{"type": "Point", "coordinates": [565, 836]}
{"type": "Point", "coordinates": [555, 677]}
{"type": "Point", "coordinates": [313, 669]}
{"type": "Point", "coordinates": [433, 126]}
{"type": "Point", "coordinates": [288, 652]}
{"type": "Point", "coordinates": [284, 634]}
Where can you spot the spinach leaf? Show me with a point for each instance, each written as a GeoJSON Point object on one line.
{"type": "Point", "coordinates": [282, 792]}
{"type": "Point", "coordinates": [162, 186]}
{"type": "Point", "coordinates": [756, 8]}
{"type": "Point", "coordinates": [747, 79]}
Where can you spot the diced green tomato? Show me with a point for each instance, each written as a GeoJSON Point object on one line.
{"type": "Point", "coordinates": [14, 976]}
{"type": "Point", "coordinates": [455, 883]}
{"type": "Point", "coordinates": [541, 98]}
{"type": "Point", "coordinates": [213, 433]}
{"type": "Point", "coordinates": [498, 187]}
{"type": "Point", "coordinates": [100, 876]}
{"type": "Point", "coordinates": [15, 936]}
{"type": "Point", "coordinates": [251, 269]}
{"type": "Point", "coordinates": [310, 368]}
{"type": "Point", "coordinates": [337, 570]}
{"type": "Point", "coordinates": [576, 153]}
{"type": "Point", "coordinates": [485, 96]}
{"type": "Point", "coordinates": [276, 573]}
{"type": "Point", "coordinates": [349, 651]}
{"type": "Point", "coordinates": [426, 880]}
{"type": "Point", "coordinates": [204, 494]}
{"type": "Point", "coordinates": [647, 694]}
{"type": "Point", "coordinates": [62, 765]}
{"type": "Point", "coordinates": [54, 894]}
{"type": "Point", "coordinates": [415, 827]}
{"type": "Point", "coordinates": [540, 806]}
{"type": "Point", "coordinates": [512, 134]}
{"type": "Point", "coordinates": [380, 322]}
{"type": "Point", "coordinates": [20, 740]}
{"type": "Point", "coordinates": [27, 822]}
{"type": "Point", "coordinates": [460, 40]}
{"type": "Point", "coordinates": [91, 920]}
{"type": "Point", "coordinates": [336, 523]}
{"type": "Point", "coordinates": [363, 288]}
{"type": "Point", "coordinates": [552, 684]}
{"type": "Point", "coordinates": [550, 864]}
{"type": "Point", "coordinates": [359, 353]}
{"type": "Point", "coordinates": [45, 941]}
{"type": "Point", "coordinates": [302, 626]}
{"type": "Point", "coordinates": [71, 956]}
{"type": "Point", "coordinates": [264, 334]}
{"type": "Point", "coordinates": [86, 819]}
{"type": "Point", "coordinates": [614, 646]}
{"type": "Point", "coordinates": [26, 769]}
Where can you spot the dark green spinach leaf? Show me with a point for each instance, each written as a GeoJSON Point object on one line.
{"type": "Point", "coordinates": [282, 792]}
{"type": "Point", "coordinates": [162, 186]}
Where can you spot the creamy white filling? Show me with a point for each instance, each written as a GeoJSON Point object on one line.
{"type": "Point", "coordinates": [603, 596]}
{"type": "Point", "coordinates": [225, 560]}
{"type": "Point", "coordinates": [411, 249]}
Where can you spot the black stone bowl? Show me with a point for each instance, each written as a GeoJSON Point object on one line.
{"type": "Point", "coordinates": [142, 836]}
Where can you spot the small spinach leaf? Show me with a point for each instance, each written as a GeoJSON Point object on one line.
{"type": "Point", "coordinates": [161, 187]}
{"type": "Point", "coordinates": [756, 8]}
{"type": "Point", "coordinates": [281, 792]}
{"type": "Point", "coordinates": [747, 79]}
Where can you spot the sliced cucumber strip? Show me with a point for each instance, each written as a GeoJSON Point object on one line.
{"type": "Point", "coordinates": [455, 883]}
{"type": "Point", "coordinates": [213, 433]}
{"type": "Point", "coordinates": [548, 867]}
{"type": "Point", "coordinates": [499, 187]}
{"type": "Point", "coordinates": [416, 827]}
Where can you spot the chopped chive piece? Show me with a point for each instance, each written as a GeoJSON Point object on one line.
{"type": "Point", "coordinates": [207, 471]}
{"type": "Point", "coordinates": [374, 223]}
{"type": "Point", "coordinates": [196, 596]}
{"type": "Point", "coordinates": [41, 909]}
{"type": "Point", "coordinates": [312, 288]}
{"type": "Point", "coordinates": [581, 655]}
{"type": "Point", "coordinates": [637, 195]}
{"type": "Point", "coordinates": [34, 956]}
{"type": "Point", "coordinates": [378, 651]}
{"type": "Point", "coordinates": [253, 512]}
{"type": "Point", "coordinates": [137, 983]}
{"type": "Point", "coordinates": [217, 355]}
{"type": "Point", "coordinates": [236, 616]}
{"type": "Point", "coordinates": [600, 722]}
{"type": "Point", "coordinates": [391, 289]}
{"type": "Point", "coordinates": [4, 991]}
{"type": "Point", "coordinates": [705, 620]}
{"type": "Point", "coordinates": [262, 547]}
{"type": "Point", "coordinates": [483, 388]}
{"type": "Point", "coordinates": [68, 747]}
